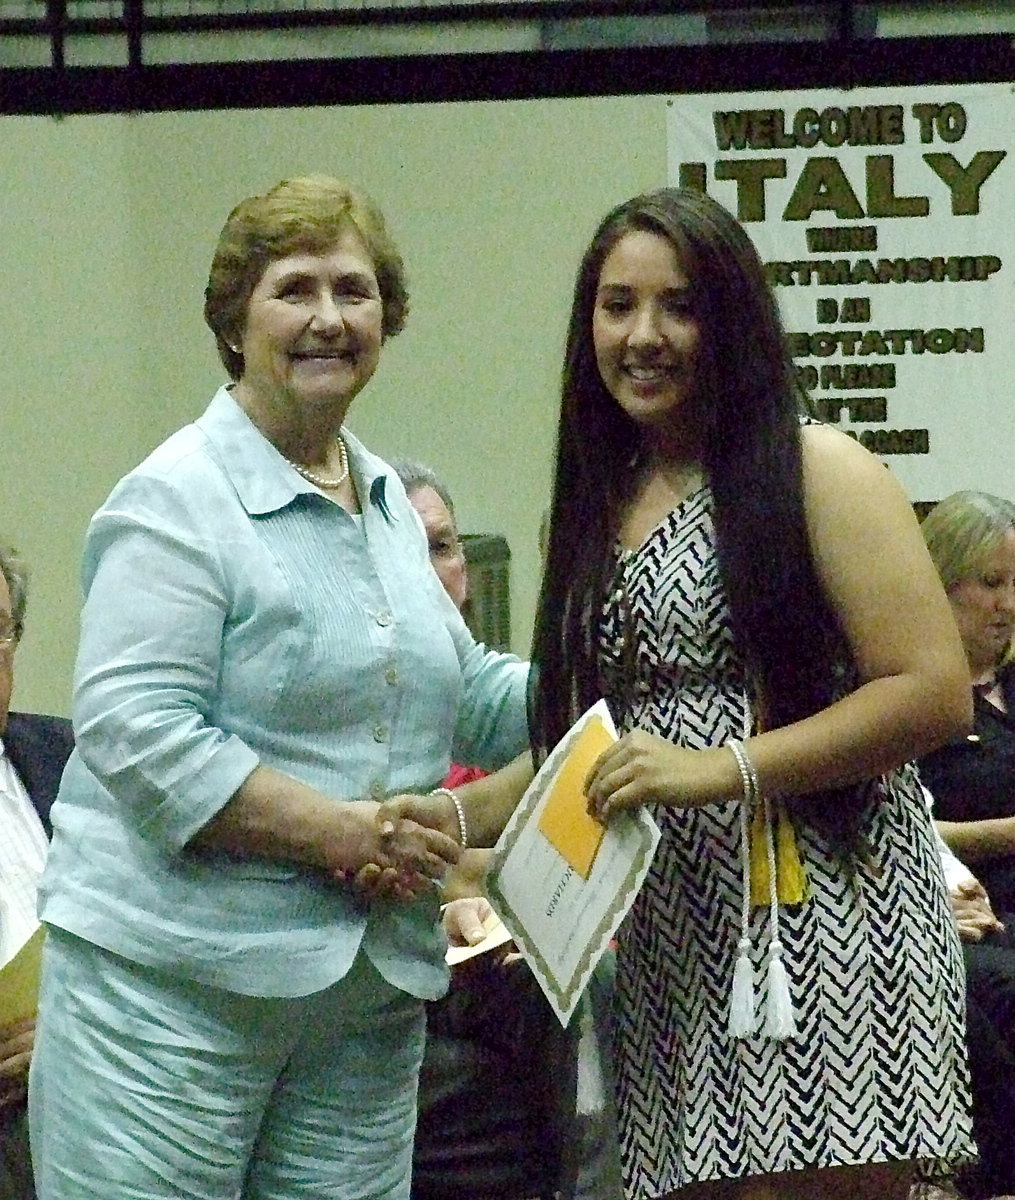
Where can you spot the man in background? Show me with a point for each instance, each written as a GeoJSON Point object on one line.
{"type": "Point", "coordinates": [33, 751]}
{"type": "Point", "coordinates": [432, 501]}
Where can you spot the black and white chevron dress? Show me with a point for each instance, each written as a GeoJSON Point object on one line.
{"type": "Point", "coordinates": [877, 1069]}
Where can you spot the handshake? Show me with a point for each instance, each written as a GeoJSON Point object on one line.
{"type": "Point", "coordinates": [415, 843]}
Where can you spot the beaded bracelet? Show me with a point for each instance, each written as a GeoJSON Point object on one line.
{"type": "Point", "coordinates": [462, 829]}
{"type": "Point", "coordinates": [748, 775]}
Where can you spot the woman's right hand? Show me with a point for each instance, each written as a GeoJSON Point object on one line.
{"type": "Point", "coordinates": [435, 810]}
{"type": "Point", "coordinates": [392, 855]}
{"type": "Point", "coordinates": [274, 816]}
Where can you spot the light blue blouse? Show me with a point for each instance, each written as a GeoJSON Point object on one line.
{"type": "Point", "coordinates": [235, 616]}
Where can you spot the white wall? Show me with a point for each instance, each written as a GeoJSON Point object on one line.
{"type": "Point", "coordinates": [106, 233]}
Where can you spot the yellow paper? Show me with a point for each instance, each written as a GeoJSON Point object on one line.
{"type": "Point", "coordinates": [565, 821]}
{"type": "Point", "coordinates": [19, 982]}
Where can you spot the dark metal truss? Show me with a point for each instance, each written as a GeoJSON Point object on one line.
{"type": "Point", "coordinates": [849, 56]}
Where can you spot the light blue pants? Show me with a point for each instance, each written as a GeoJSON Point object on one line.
{"type": "Point", "coordinates": [147, 1086]}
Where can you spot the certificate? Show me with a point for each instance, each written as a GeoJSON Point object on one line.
{"type": "Point", "coordinates": [19, 981]}
{"type": "Point", "coordinates": [560, 880]}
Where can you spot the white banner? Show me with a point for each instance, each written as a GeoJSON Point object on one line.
{"type": "Point", "coordinates": [886, 221]}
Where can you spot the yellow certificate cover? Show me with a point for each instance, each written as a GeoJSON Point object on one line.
{"type": "Point", "coordinates": [19, 981]}
{"type": "Point", "coordinates": [565, 821]}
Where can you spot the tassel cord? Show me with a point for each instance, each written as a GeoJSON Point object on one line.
{"type": "Point", "coordinates": [779, 1020]}
{"type": "Point", "coordinates": [742, 1000]}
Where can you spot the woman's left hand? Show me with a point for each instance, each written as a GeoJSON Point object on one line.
{"type": "Point", "coordinates": [642, 768]}
{"type": "Point", "coordinates": [465, 923]}
{"type": "Point", "coordinates": [464, 920]}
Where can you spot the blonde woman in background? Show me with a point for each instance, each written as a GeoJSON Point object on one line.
{"type": "Point", "coordinates": [971, 538]}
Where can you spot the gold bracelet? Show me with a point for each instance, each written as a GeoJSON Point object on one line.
{"type": "Point", "coordinates": [462, 829]}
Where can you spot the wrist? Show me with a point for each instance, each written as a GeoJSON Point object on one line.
{"type": "Point", "coordinates": [718, 777]}
{"type": "Point", "coordinates": [458, 825]}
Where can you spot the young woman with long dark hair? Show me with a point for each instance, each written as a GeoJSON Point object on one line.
{"type": "Point", "coordinates": [750, 592]}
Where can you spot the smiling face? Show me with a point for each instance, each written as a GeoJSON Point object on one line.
{"type": "Point", "coordinates": [984, 607]}
{"type": "Point", "coordinates": [644, 330]}
{"type": "Point", "coordinates": [313, 336]}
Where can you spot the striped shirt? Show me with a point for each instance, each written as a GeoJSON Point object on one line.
{"type": "Point", "coordinates": [234, 617]}
{"type": "Point", "coordinates": [23, 847]}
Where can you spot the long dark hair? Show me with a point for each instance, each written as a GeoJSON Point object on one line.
{"type": "Point", "coordinates": [747, 406]}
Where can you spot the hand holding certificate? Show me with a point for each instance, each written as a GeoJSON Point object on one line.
{"type": "Point", "coordinates": [560, 880]}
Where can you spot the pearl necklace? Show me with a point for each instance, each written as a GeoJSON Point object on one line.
{"type": "Point", "coordinates": [319, 480]}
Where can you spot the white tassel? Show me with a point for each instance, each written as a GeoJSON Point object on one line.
{"type": "Point", "coordinates": [741, 1019]}
{"type": "Point", "coordinates": [779, 1020]}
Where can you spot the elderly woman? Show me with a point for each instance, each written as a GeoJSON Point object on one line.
{"type": "Point", "coordinates": [266, 654]}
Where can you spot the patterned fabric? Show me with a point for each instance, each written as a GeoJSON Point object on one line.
{"type": "Point", "coordinates": [877, 1069]}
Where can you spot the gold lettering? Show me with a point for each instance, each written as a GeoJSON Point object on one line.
{"type": "Point", "coordinates": [964, 183]}
{"type": "Point", "coordinates": [881, 198]}
{"type": "Point", "coordinates": [822, 185]}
